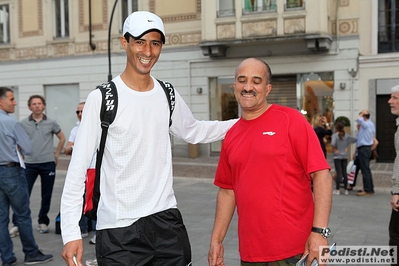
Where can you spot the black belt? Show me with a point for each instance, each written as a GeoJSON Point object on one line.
{"type": "Point", "coordinates": [364, 146]}
{"type": "Point", "coordinates": [12, 164]}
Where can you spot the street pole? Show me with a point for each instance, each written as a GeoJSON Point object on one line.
{"type": "Point", "coordinates": [109, 42]}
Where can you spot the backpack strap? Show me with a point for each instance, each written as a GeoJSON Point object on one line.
{"type": "Point", "coordinates": [109, 107]}
{"type": "Point", "coordinates": [170, 96]}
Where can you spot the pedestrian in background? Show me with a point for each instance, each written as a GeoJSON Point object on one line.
{"type": "Point", "coordinates": [74, 131]}
{"type": "Point", "coordinates": [364, 142]}
{"type": "Point", "coordinates": [322, 129]}
{"type": "Point", "coordinates": [43, 159]}
{"type": "Point", "coordinates": [15, 143]}
{"type": "Point", "coordinates": [394, 221]}
{"type": "Point", "coordinates": [267, 162]}
{"type": "Point", "coordinates": [340, 142]}
{"type": "Point", "coordinates": [136, 174]}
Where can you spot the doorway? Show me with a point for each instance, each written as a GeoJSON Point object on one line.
{"type": "Point", "coordinates": [61, 102]}
{"type": "Point", "coordinates": [385, 130]}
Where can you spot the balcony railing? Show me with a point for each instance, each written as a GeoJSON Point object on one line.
{"type": "Point", "coordinates": [259, 9]}
{"type": "Point", "coordinates": [294, 5]}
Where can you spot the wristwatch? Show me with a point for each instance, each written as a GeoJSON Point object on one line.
{"type": "Point", "coordinates": [325, 232]}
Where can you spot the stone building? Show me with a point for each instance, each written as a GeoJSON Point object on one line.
{"type": "Point", "coordinates": [334, 57]}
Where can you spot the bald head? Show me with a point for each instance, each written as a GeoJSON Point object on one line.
{"type": "Point", "coordinates": [256, 61]}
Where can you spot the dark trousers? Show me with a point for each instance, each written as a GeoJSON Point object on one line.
{"type": "Point", "coordinates": [160, 239]}
{"type": "Point", "coordinates": [340, 168]}
{"type": "Point", "coordinates": [394, 232]}
{"type": "Point", "coordinates": [356, 162]}
{"type": "Point", "coordinates": [364, 154]}
{"type": "Point", "coordinates": [14, 194]}
{"type": "Point", "coordinates": [47, 178]}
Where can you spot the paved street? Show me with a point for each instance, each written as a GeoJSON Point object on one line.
{"type": "Point", "coordinates": [354, 220]}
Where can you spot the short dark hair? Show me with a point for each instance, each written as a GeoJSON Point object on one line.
{"type": "Point", "coordinates": [128, 35]}
{"type": "Point", "coordinates": [36, 96]}
{"type": "Point", "coordinates": [3, 91]}
{"type": "Point", "coordinates": [268, 69]}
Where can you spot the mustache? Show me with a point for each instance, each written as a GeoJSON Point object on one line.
{"type": "Point", "coordinates": [248, 92]}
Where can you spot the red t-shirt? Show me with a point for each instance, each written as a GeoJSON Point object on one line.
{"type": "Point", "coordinates": [267, 162]}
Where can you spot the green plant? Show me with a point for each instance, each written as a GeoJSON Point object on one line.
{"type": "Point", "coordinates": [344, 120]}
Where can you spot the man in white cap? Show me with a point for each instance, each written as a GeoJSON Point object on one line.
{"type": "Point", "coordinates": [138, 220]}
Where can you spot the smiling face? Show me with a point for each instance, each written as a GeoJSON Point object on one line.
{"type": "Point", "coordinates": [394, 103]}
{"type": "Point", "coordinates": [251, 87]}
{"type": "Point", "coordinates": [143, 53]}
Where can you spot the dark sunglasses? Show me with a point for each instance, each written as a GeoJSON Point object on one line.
{"type": "Point", "coordinates": [77, 112]}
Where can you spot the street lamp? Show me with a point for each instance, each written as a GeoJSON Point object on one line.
{"type": "Point", "coordinates": [109, 42]}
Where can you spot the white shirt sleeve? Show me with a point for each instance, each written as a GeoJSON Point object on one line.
{"type": "Point", "coordinates": [193, 131]}
{"type": "Point", "coordinates": [85, 145]}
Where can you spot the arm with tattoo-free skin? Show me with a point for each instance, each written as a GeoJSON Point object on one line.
{"type": "Point", "coordinates": [225, 207]}
{"type": "Point", "coordinates": [322, 189]}
{"type": "Point", "coordinates": [61, 142]}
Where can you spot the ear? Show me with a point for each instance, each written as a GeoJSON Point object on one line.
{"type": "Point", "coordinates": [268, 89]}
{"type": "Point", "coordinates": [123, 42]}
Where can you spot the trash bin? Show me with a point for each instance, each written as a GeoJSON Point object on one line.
{"type": "Point", "coordinates": [192, 150]}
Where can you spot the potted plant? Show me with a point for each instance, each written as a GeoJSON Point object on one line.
{"type": "Point", "coordinates": [346, 122]}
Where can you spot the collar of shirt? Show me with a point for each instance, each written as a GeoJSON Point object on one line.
{"type": "Point", "coordinates": [31, 118]}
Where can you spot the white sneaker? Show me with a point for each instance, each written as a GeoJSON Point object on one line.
{"type": "Point", "coordinates": [93, 240]}
{"type": "Point", "coordinates": [85, 235]}
{"type": "Point", "coordinates": [336, 192]}
{"type": "Point", "coordinates": [14, 231]}
{"type": "Point", "coordinates": [92, 262]}
{"type": "Point", "coordinates": [42, 228]}
{"type": "Point", "coordinates": [346, 192]}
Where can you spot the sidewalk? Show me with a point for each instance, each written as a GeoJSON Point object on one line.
{"type": "Point", "coordinates": [354, 220]}
{"type": "Point", "coordinates": [206, 166]}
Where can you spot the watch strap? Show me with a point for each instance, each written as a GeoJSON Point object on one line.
{"type": "Point", "coordinates": [317, 229]}
{"type": "Point", "coordinates": [325, 232]}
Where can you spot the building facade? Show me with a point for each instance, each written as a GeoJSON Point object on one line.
{"type": "Point", "coordinates": [326, 56]}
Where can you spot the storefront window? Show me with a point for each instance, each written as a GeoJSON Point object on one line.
{"type": "Point", "coordinates": [223, 104]}
{"type": "Point", "coordinates": [316, 97]}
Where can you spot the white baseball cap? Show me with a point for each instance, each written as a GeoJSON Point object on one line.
{"type": "Point", "coordinates": [141, 22]}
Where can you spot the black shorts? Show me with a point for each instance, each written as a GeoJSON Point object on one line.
{"type": "Point", "coordinates": [155, 240]}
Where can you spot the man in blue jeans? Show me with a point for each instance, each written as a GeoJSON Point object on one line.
{"type": "Point", "coordinates": [41, 130]}
{"type": "Point", "coordinates": [363, 146]}
{"type": "Point", "coordinates": [13, 185]}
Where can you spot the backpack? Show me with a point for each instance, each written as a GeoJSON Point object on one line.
{"type": "Point", "coordinates": [109, 107]}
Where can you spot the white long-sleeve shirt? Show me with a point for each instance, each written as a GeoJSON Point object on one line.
{"type": "Point", "coordinates": [136, 173]}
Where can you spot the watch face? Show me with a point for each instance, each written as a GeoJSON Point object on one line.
{"type": "Point", "coordinates": [326, 232]}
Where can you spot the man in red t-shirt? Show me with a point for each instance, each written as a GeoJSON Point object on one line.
{"type": "Point", "coordinates": [268, 160]}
